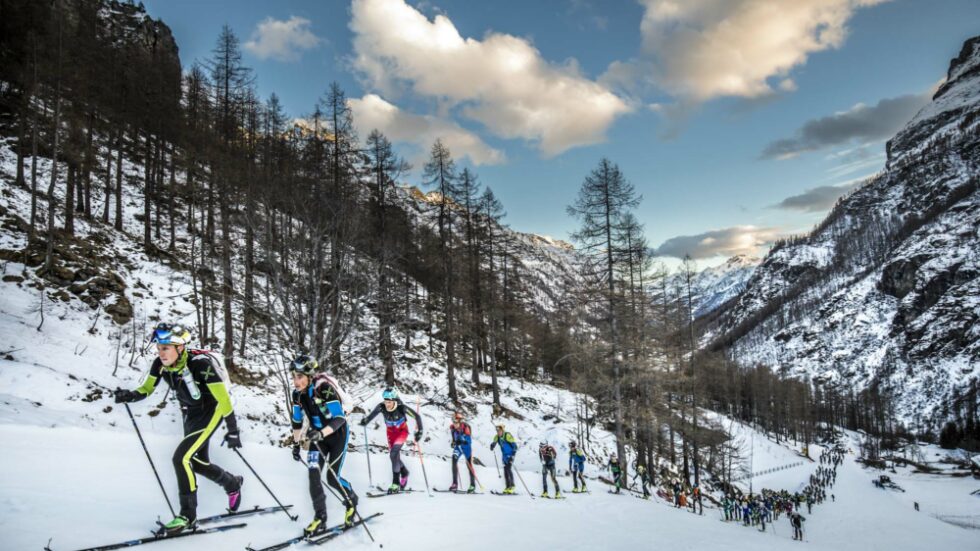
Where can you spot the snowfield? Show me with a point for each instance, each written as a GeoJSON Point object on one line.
{"type": "Point", "coordinates": [84, 487]}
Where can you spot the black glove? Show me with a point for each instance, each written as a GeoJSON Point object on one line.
{"type": "Point", "coordinates": [418, 436]}
{"type": "Point", "coordinates": [296, 453]}
{"type": "Point", "coordinates": [233, 440]}
{"type": "Point", "coordinates": [126, 396]}
{"type": "Point", "coordinates": [314, 435]}
{"type": "Point", "coordinates": [363, 422]}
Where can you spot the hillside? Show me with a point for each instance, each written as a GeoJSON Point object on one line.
{"type": "Point", "coordinates": [885, 290]}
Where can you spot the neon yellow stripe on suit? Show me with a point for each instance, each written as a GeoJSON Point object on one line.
{"type": "Point", "coordinates": [148, 385]}
{"type": "Point", "coordinates": [204, 434]}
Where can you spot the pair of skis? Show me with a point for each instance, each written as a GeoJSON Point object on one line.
{"type": "Point", "coordinates": [159, 535]}
{"type": "Point", "coordinates": [385, 492]}
{"type": "Point", "coordinates": [328, 534]}
{"type": "Point", "coordinates": [460, 492]}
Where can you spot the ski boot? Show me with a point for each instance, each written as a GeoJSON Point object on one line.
{"type": "Point", "coordinates": [471, 489]}
{"type": "Point", "coordinates": [403, 481]}
{"type": "Point", "coordinates": [351, 510]}
{"type": "Point", "coordinates": [394, 489]}
{"type": "Point", "coordinates": [316, 527]}
{"type": "Point", "coordinates": [453, 487]}
{"type": "Point", "coordinates": [177, 525]}
{"type": "Point", "coordinates": [545, 495]}
{"type": "Point", "coordinates": [235, 497]}
{"type": "Point", "coordinates": [557, 494]}
{"type": "Point", "coordinates": [509, 490]}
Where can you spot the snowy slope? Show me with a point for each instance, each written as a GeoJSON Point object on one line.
{"type": "Point", "coordinates": [886, 288]}
{"type": "Point", "coordinates": [99, 479]}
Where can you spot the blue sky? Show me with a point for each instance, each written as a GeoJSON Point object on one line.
{"type": "Point", "coordinates": [737, 120]}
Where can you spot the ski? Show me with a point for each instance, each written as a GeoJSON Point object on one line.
{"type": "Point", "coordinates": [247, 512]}
{"type": "Point", "coordinates": [496, 493]}
{"type": "Point", "coordinates": [385, 494]}
{"type": "Point", "coordinates": [340, 529]}
{"type": "Point", "coordinates": [327, 534]}
{"type": "Point", "coordinates": [546, 496]}
{"type": "Point", "coordinates": [151, 539]}
{"type": "Point", "coordinates": [460, 492]}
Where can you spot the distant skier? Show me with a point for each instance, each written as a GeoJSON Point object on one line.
{"type": "Point", "coordinates": [796, 520]}
{"type": "Point", "coordinates": [396, 415]}
{"type": "Point", "coordinates": [616, 471]}
{"type": "Point", "coordinates": [576, 466]}
{"type": "Point", "coordinates": [462, 443]}
{"type": "Point", "coordinates": [548, 455]}
{"type": "Point", "coordinates": [320, 398]}
{"type": "Point", "coordinates": [508, 449]}
{"type": "Point", "coordinates": [204, 404]}
{"type": "Point", "coordinates": [643, 475]}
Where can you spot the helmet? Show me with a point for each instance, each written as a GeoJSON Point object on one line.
{"type": "Point", "coordinates": [389, 394]}
{"type": "Point", "coordinates": [304, 364]}
{"type": "Point", "coordinates": [500, 426]}
{"type": "Point", "coordinates": [572, 444]}
{"type": "Point", "coordinates": [542, 444]}
{"type": "Point", "coordinates": [168, 333]}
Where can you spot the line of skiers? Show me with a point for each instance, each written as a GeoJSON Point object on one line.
{"type": "Point", "coordinates": [201, 385]}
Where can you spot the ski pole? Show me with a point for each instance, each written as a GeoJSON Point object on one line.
{"type": "Point", "coordinates": [367, 455]}
{"type": "Point", "coordinates": [469, 463]}
{"type": "Point", "coordinates": [495, 464]}
{"type": "Point", "coordinates": [521, 478]}
{"type": "Point", "coordinates": [281, 506]}
{"type": "Point", "coordinates": [418, 448]}
{"type": "Point", "coordinates": [150, 459]}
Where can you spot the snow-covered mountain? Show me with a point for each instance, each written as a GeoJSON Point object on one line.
{"type": "Point", "coordinates": [716, 285]}
{"type": "Point", "coordinates": [886, 290]}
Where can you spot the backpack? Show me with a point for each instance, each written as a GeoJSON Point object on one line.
{"type": "Point", "coordinates": [217, 361]}
{"type": "Point", "coordinates": [346, 402]}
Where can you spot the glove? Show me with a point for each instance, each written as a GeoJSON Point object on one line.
{"type": "Point", "coordinates": [126, 396]}
{"type": "Point", "coordinates": [233, 440]}
{"type": "Point", "coordinates": [314, 435]}
{"type": "Point", "coordinates": [418, 436]}
{"type": "Point", "coordinates": [296, 453]}
{"type": "Point", "coordinates": [363, 422]}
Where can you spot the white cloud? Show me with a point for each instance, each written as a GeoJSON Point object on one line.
{"type": "Point", "coordinates": [747, 240]}
{"type": "Point", "coordinates": [501, 81]}
{"type": "Point", "coordinates": [373, 112]}
{"type": "Point", "coordinates": [710, 48]}
{"type": "Point", "coordinates": [281, 40]}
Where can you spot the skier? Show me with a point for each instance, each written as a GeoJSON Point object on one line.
{"type": "Point", "coordinates": [396, 415]}
{"type": "Point", "coordinates": [320, 398]}
{"type": "Point", "coordinates": [462, 442]}
{"type": "Point", "coordinates": [644, 476]}
{"type": "Point", "coordinates": [204, 403]}
{"type": "Point", "coordinates": [576, 465]}
{"type": "Point", "coordinates": [616, 471]}
{"type": "Point", "coordinates": [796, 520]}
{"type": "Point", "coordinates": [547, 454]}
{"type": "Point", "coordinates": [508, 449]}
{"type": "Point", "coordinates": [696, 500]}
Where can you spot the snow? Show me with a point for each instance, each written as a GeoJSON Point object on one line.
{"type": "Point", "coordinates": [99, 479]}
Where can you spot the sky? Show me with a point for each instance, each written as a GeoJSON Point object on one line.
{"type": "Point", "coordinates": [738, 121]}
